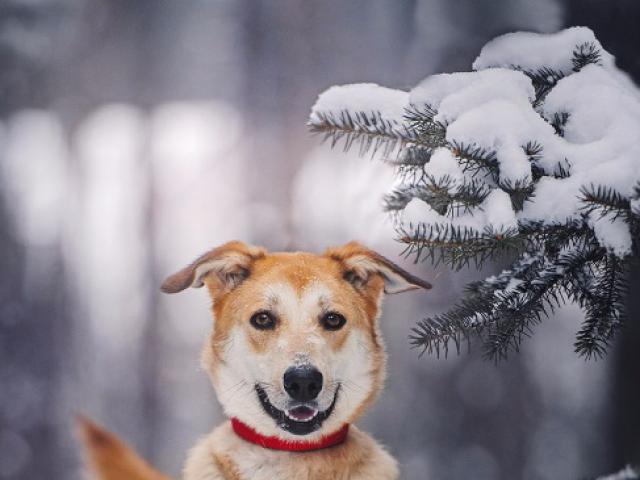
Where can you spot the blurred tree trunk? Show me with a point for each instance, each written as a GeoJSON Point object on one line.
{"type": "Point", "coordinates": [30, 351]}
{"type": "Point", "coordinates": [616, 26]}
{"type": "Point", "coordinates": [33, 322]}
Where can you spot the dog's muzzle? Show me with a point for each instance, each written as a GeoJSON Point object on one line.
{"type": "Point", "coordinates": [301, 418]}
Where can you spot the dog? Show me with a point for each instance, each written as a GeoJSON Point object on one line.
{"type": "Point", "coordinates": [295, 356]}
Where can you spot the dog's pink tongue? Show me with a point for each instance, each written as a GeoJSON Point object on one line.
{"type": "Point", "coordinates": [302, 413]}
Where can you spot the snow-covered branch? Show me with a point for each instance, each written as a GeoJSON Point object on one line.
{"type": "Point", "coordinates": [536, 151]}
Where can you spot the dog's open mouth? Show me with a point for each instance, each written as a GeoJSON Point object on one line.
{"type": "Point", "coordinates": [301, 413]}
{"type": "Point", "coordinates": [298, 420]}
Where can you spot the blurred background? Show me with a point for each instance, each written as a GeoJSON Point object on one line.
{"type": "Point", "coordinates": [134, 135]}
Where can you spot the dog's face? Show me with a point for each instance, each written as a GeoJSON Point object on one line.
{"type": "Point", "coordinates": [295, 349]}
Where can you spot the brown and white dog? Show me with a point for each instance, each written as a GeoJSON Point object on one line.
{"type": "Point", "coordinates": [295, 357]}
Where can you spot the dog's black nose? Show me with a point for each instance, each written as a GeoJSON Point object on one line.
{"type": "Point", "coordinates": [303, 383]}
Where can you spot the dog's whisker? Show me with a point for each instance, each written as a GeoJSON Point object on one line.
{"type": "Point", "coordinates": [269, 387]}
{"type": "Point", "coordinates": [234, 386]}
{"type": "Point", "coordinates": [365, 347]}
{"type": "Point", "coordinates": [354, 386]}
{"type": "Point", "coordinates": [235, 389]}
{"type": "Point", "coordinates": [226, 343]}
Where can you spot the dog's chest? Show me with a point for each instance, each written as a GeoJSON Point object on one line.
{"type": "Point", "coordinates": [256, 463]}
{"type": "Point", "coordinates": [224, 456]}
{"type": "Point", "coordinates": [236, 459]}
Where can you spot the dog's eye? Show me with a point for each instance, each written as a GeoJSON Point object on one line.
{"type": "Point", "coordinates": [333, 321]}
{"type": "Point", "coordinates": [263, 320]}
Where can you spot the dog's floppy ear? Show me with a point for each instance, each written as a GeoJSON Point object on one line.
{"type": "Point", "coordinates": [226, 266]}
{"type": "Point", "coordinates": [360, 263]}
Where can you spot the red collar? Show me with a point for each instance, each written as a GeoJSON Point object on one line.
{"type": "Point", "coordinates": [247, 433]}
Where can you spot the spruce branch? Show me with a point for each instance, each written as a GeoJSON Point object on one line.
{"type": "Point", "coordinates": [559, 122]}
{"type": "Point", "coordinates": [503, 317]}
{"type": "Point", "coordinates": [635, 201]}
{"type": "Point", "coordinates": [410, 162]}
{"type": "Point", "coordinates": [606, 201]}
{"type": "Point", "coordinates": [555, 236]}
{"type": "Point", "coordinates": [476, 160]}
{"type": "Point", "coordinates": [520, 191]}
{"type": "Point", "coordinates": [412, 157]}
{"type": "Point", "coordinates": [473, 313]}
{"type": "Point", "coordinates": [533, 150]}
{"type": "Point", "coordinates": [543, 80]}
{"type": "Point", "coordinates": [585, 54]}
{"type": "Point", "coordinates": [421, 120]}
{"type": "Point", "coordinates": [604, 305]}
{"type": "Point", "coordinates": [456, 246]}
{"type": "Point", "coordinates": [445, 195]}
{"type": "Point", "coordinates": [561, 170]}
{"type": "Point", "coordinates": [369, 130]}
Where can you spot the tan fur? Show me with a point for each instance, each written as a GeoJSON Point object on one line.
{"type": "Point", "coordinates": [112, 459]}
{"type": "Point", "coordinates": [299, 270]}
{"type": "Point", "coordinates": [298, 288]}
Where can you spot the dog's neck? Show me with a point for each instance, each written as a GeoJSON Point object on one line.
{"type": "Point", "coordinates": [247, 433]}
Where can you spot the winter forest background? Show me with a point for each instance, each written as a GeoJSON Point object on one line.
{"type": "Point", "coordinates": [136, 135]}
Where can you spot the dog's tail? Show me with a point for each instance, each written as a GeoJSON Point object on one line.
{"type": "Point", "coordinates": [110, 458]}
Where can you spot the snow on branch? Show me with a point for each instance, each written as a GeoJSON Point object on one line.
{"type": "Point", "coordinates": [366, 113]}
{"type": "Point", "coordinates": [535, 153]}
{"type": "Point", "coordinates": [627, 473]}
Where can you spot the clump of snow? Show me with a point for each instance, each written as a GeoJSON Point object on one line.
{"type": "Point", "coordinates": [510, 287]}
{"type": "Point", "coordinates": [611, 232]}
{"type": "Point", "coordinates": [504, 127]}
{"type": "Point", "coordinates": [494, 110]}
{"type": "Point", "coordinates": [498, 211]}
{"type": "Point", "coordinates": [627, 473]}
{"type": "Point", "coordinates": [601, 143]}
{"type": "Point", "coordinates": [361, 97]}
{"type": "Point", "coordinates": [552, 204]}
{"type": "Point", "coordinates": [444, 164]}
{"type": "Point", "coordinates": [453, 94]}
{"type": "Point", "coordinates": [490, 109]}
{"type": "Point", "coordinates": [531, 51]}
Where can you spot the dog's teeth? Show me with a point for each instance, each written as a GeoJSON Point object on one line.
{"type": "Point", "coordinates": [297, 419]}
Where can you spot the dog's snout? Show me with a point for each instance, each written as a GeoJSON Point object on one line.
{"type": "Point", "coordinates": [303, 383]}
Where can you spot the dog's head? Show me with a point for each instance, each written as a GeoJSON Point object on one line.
{"type": "Point", "coordinates": [296, 348]}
